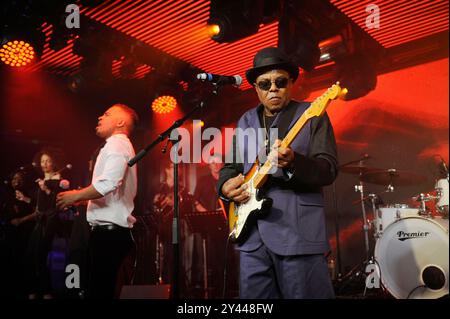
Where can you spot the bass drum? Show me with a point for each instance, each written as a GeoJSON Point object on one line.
{"type": "Point", "coordinates": [413, 257]}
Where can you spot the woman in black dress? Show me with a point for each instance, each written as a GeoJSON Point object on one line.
{"type": "Point", "coordinates": [48, 223]}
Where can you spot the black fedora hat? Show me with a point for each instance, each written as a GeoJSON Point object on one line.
{"type": "Point", "coordinates": [270, 58]}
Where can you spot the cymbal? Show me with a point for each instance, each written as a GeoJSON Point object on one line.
{"type": "Point", "coordinates": [393, 177]}
{"type": "Point", "coordinates": [357, 169]}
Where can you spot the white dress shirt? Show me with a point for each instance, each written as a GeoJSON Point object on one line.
{"type": "Point", "coordinates": [116, 181]}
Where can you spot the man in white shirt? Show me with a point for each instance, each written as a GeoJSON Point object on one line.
{"type": "Point", "coordinates": [110, 200]}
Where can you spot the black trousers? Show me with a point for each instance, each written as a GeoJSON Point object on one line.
{"type": "Point", "coordinates": [107, 250]}
{"type": "Point", "coordinates": [46, 229]}
{"type": "Point", "coordinates": [79, 249]}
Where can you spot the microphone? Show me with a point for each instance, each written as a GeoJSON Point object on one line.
{"type": "Point", "coordinates": [68, 166]}
{"type": "Point", "coordinates": [220, 79]}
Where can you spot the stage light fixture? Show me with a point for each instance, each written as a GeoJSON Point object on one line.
{"type": "Point", "coordinates": [297, 35]}
{"type": "Point", "coordinates": [76, 83]}
{"type": "Point", "coordinates": [215, 29]}
{"type": "Point", "coordinates": [20, 46]}
{"type": "Point", "coordinates": [332, 48]}
{"type": "Point", "coordinates": [236, 19]}
{"type": "Point", "coordinates": [16, 53]}
{"type": "Point", "coordinates": [164, 104]}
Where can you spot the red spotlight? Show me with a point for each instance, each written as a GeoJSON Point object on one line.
{"type": "Point", "coordinates": [164, 104]}
{"type": "Point", "coordinates": [16, 53]}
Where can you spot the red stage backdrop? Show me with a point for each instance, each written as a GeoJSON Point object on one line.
{"type": "Point", "coordinates": [402, 124]}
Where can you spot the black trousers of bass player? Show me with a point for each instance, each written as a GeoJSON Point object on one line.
{"type": "Point", "coordinates": [108, 247]}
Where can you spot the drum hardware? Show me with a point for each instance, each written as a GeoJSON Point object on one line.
{"type": "Point", "coordinates": [371, 196]}
{"type": "Point", "coordinates": [411, 245]}
{"type": "Point", "coordinates": [358, 273]}
{"type": "Point", "coordinates": [356, 167]}
{"type": "Point", "coordinates": [360, 188]}
{"type": "Point", "coordinates": [361, 169]}
{"type": "Point", "coordinates": [423, 199]}
{"type": "Point", "coordinates": [375, 200]}
{"type": "Point", "coordinates": [392, 177]}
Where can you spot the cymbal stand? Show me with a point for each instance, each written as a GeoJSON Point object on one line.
{"type": "Point", "coordinates": [360, 188]}
{"type": "Point", "coordinates": [373, 199]}
{"type": "Point", "coordinates": [369, 259]}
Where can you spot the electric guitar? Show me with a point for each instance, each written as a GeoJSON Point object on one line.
{"type": "Point", "coordinates": [241, 215]}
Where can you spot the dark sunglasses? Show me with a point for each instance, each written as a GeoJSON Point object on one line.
{"type": "Point", "coordinates": [280, 83]}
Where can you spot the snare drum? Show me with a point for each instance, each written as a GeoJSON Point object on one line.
{"type": "Point", "coordinates": [413, 258]}
{"type": "Point", "coordinates": [442, 196]}
{"type": "Point", "coordinates": [386, 215]}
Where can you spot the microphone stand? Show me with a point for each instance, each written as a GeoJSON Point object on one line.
{"type": "Point", "coordinates": [173, 138]}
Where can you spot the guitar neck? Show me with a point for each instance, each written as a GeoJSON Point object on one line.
{"type": "Point", "coordinates": [317, 108]}
{"type": "Point", "coordinates": [263, 172]}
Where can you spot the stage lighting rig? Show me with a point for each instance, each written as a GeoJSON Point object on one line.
{"type": "Point", "coordinates": [235, 19]}
{"type": "Point", "coordinates": [16, 53]}
{"type": "Point", "coordinates": [164, 104]}
{"type": "Point", "coordinates": [298, 34]}
{"type": "Point", "coordinates": [164, 90]}
{"type": "Point", "coordinates": [20, 45]}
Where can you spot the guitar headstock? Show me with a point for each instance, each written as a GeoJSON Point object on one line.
{"type": "Point", "coordinates": [319, 105]}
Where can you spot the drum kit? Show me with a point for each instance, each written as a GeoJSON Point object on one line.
{"type": "Point", "coordinates": [411, 254]}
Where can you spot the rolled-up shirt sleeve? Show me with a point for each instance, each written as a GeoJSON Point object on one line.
{"type": "Point", "coordinates": [112, 175]}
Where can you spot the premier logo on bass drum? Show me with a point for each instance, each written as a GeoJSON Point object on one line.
{"type": "Point", "coordinates": [402, 236]}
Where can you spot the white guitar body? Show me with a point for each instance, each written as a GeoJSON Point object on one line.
{"type": "Point", "coordinates": [248, 210]}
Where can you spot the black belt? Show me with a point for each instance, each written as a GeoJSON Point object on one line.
{"type": "Point", "coordinates": [107, 227]}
